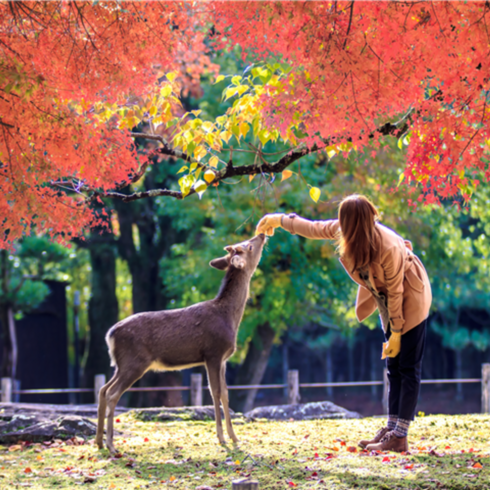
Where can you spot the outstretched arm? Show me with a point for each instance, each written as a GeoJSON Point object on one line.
{"type": "Point", "coordinates": [320, 230]}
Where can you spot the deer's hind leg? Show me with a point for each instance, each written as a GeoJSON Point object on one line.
{"type": "Point", "coordinates": [213, 368]}
{"type": "Point", "coordinates": [124, 380]}
{"type": "Point", "coordinates": [101, 411]}
{"type": "Point", "coordinates": [225, 402]}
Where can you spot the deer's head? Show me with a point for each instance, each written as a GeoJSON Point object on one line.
{"type": "Point", "coordinates": [244, 256]}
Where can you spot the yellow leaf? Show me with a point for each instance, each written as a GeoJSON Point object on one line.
{"type": "Point", "coordinates": [182, 169]}
{"type": "Point", "coordinates": [153, 110]}
{"type": "Point", "coordinates": [207, 125]}
{"type": "Point", "coordinates": [219, 78]}
{"type": "Point", "coordinates": [200, 152]}
{"type": "Point", "coordinates": [230, 92]}
{"type": "Point", "coordinates": [225, 136]}
{"type": "Point", "coordinates": [400, 180]}
{"type": "Point", "coordinates": [264, 136]}
{"type": "Point", "coordinates": [315, 193]}
{"type": "Point", "coordinates": [286, 174]}
{"type": "Point", "coordinates": [171, 76]}
{"type": "Point", "coordinates": [237, 461]}
{"type": "Point", "coordinates": [331, 151]}
{"type": "Point", "coordinates": [251, 177]}
{"type": "Point", "coordinates": [241, 89]}
{"type": "Point", "coordinates": [213, 161]}
{"type": "Point", "coordinates": [209, 176]}
{"type": "Point", "coordinates": [166, 91]}
{"type": "Point", "coordinates": [172, 478]}
{"type": "Point", "coordinates": [244, 127]}
{"type": "Point", "coordinates": [200, 187]}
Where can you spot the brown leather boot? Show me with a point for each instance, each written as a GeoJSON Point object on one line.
{"type": "Point", "coordinates": [390, 442]}
{"type": "Point", "coordinates": [379, 435]}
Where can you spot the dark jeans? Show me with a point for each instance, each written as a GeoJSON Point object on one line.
{"type": "Point", "coordinates": [404, 373]}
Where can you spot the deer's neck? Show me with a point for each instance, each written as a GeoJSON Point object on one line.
{"type": "Point", "coordinates": [233, 294]}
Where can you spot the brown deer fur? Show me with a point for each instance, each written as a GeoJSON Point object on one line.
{"type": "Point", "coordinates": [201, 334]}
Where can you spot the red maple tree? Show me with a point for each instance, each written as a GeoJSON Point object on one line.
{"type": "Point", "coordinates": [359, 70]}
{"type": "Point", "coordinates": [54, 54]}
{"type": "Point", "coordinates": [360, 65]}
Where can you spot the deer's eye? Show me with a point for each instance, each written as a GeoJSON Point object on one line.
{"type": "Point", "coordinates": [250, 247]}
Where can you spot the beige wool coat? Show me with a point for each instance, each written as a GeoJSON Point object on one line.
{"type": "Point", "coordinates": [397, 272]}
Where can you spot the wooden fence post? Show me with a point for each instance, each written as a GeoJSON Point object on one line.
{"type": "Point", "coordinates": [7, 390]}
{"type": "Point", "coordinates": [386, 389]}
{"type": "Point", "coordinates": [293, 387]}
{"type": "Point", "coordinates": [245, 484]}
{"type": "Point", "coordinates": [99, 382]}
{"type": "Point", "coordinates": [196, 390]}
{"type": "Point", "coordinates": [485, 388]}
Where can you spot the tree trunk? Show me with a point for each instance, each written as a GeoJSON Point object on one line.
{"type": "Point", "coordinates": [329, 371]}
{"type": "Point", "coordinates": [253, 368]}
{"type": "Point", "coordinates": [9, 335]}
{"type": "Point", "coordinates": [156, 236]}
{"type": "Point", "coordinates": [9, 340]}
{"type": "Point", "coordinates": [103, 306]}
{"type": "Point", "coordinates": [458, 354]}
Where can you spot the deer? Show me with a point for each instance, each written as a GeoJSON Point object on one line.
{"type": "Point", "coordinates": [201, 334]}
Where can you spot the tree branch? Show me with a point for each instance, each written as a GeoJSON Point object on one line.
{"type": "Point", "coordinates": [230, 170]}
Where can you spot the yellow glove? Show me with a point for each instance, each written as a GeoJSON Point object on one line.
{"type": "Point", "coordinates": [268, 223]}
{"type": "Point", "coordinates": [392, 347]}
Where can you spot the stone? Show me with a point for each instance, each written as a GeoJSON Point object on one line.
{"type": "Point", "coordinates": [8, 410]}
{"type": "Point", "coordinates": [302, 411]}
{"type": "Point", "coordinates": [39, 428]}
{"type": "Point", "coordinates": [165, 414]}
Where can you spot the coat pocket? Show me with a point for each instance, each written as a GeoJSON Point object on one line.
{"type": "Point", "coordinates": [414, 281]}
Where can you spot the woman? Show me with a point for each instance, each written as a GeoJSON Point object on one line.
{"type": "Point", "coordinates": [391, 279]}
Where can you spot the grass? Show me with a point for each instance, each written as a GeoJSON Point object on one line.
{"type": "Point", "coordinates": [446, 452]}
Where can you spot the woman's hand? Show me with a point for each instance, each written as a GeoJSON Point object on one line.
{"type": "Point", "coordinates": [268, 223]}
{"type": "Point", "coordinates": [392, 347]}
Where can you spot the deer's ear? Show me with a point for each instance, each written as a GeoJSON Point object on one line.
{"type": "Point", "coordinates": [229, 249]}
{"type": "Point", "coordinates": [222, 263]}
{"type": "Point", "coordinates": [238, 261]}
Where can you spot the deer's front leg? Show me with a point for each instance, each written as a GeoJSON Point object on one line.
{"type": "Point", "coordinates": [213, 369]}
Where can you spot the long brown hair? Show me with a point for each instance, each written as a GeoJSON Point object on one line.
{"type": "Point", "coordinates": [359, 238]}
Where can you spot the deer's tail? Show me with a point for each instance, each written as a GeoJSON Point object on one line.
{"type": "Point", "coordinates": [110, 340]}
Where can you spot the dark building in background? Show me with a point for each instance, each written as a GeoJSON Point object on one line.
{"type": "Point", "coordinates": [43, 347]}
